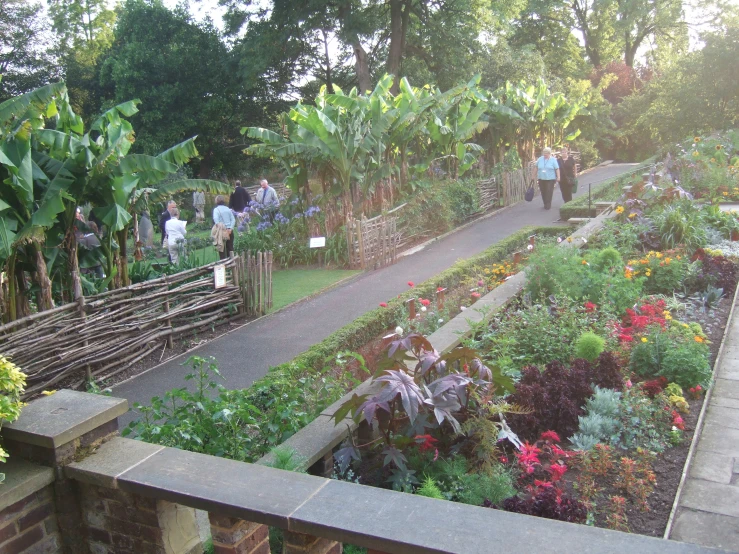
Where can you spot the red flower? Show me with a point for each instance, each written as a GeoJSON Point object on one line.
{"type": "Point", "coordinates": [383, 304]}
{"type": "Point", "coordinates": [439, 289]}
{"type": "Point", "coordinates": [411, 284]}
{"type": "Point", "coordinates": [425, 442]}
{"type": "Point", "coordinates": [589, 307]}
{"type": "Point", "coordinates": [543, 484]}
{"type": "Point", "coordinates": [475, 295]}
{"type": "Point", "coordinates": [557, 471]}
{"type": "Point", "coordinates": [425, 301]}
{"type": "Point", "coordinates": [503, 460]}
{"type": "Point", "coordinates": [550, 436]}
{"type": "Point", "coordinates": [698, 388]}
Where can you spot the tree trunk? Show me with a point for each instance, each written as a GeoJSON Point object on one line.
{"type": "Point", "coordinates": [399, 16]}
{"type": "Point", "coordinates": [329, 78]}
{"type": "Point", "coordinates": [361, 67]}
{"type": "Point", "coordinates": [45, 300]}
{"type": "Point", "coordinates": [123, 257]}
{"type": "Point", "coordinates": [12, 289]}
{"type": "Point", "coordinates": [205, 166]}
{"type": "Point", "coordinates": [22, 307]}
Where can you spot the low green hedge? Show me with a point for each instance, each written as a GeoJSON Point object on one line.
{"type": "Point", "coordinates": [610, 189]}
{"type": "Point", "coordinates": [370, 325]}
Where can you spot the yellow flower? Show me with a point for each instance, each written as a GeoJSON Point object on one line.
{"type": "Point", "coordinates": [686, 325]}
{"type": "Point", "coordinates": [668, 260]}
{"type": "Point", "coordinates": [719, 147]}
{"type": "Point", "coordinates": [699, 339]}
{"type": "Point", "coordinates": [47, 392]}
{"type": "Point", "coordinates": [632, 215]}
{"type": "Point", "coordinates": [725, 193]}
{"type": "Point", "coordinates": [648, 273]}
{"type": "Point", "coordinates": [569, 239]}
{"type": "Point", "coordinates": [644, 339]}
{"type": "Point", "coordinates": [619, 209]}
{"type": "Point", "coordinates": [658, 254]}
{"type": "Point", "coordinates": [668, 317]}
{"type": "Point", "coordinates": [695, 153]}
{"type": "Point", "coordinates": [696, 139]}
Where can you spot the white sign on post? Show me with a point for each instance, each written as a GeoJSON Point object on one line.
{"type": "Point", "coordinates": [318, 242]}
{"type": "Point", "coordinates": [219, 276]}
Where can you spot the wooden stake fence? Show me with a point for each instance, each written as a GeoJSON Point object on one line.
{"type": "Point", "coordinates": [100, 336]}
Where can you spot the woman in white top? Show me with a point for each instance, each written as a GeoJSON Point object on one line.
{"type": "Point", "coordinates": [175, 230]}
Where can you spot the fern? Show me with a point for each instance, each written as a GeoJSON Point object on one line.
{"type": "Point", "coordinates": [288, 459]}
{"type": "Point", "coordinates": [430, 489]}
{"type": "Point", "coordinates": [583, 442]}
{"type": "Point", "coordinates": [476, 488]}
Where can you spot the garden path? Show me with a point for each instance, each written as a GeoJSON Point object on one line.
{"type": "Point", "coordinates": [708, 507]}
{"type": "Point", "coordinates": [247, 353]}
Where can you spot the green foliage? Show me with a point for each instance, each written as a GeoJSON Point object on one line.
{"type": "Point", "coordinates": [430, 489]}
{"type": "Point", "coordinates": [589, 346]}
{"type": "Point", "coordinates": [679, 358]}
{"type": "Point", "coordinates": [646, 422]}
{"type": "Point", "coordinates": [12, 384]}
{"type": "Point", "coordinates": [680, 223]}
{"type": "Point", "coordinates": [284, 457]}
{"type": "Point", "coordinates": [237, 424]}
{"type": "Point", "coordinates": [601, 422]}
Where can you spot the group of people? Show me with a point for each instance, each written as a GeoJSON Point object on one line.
{"type": "Point", "coordinates": [551, 171]}
{"type": "Point", "coordinates": [174, 230]}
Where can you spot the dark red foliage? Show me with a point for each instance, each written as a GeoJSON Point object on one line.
{"type": "Point", "coordinates": [557, 395]}
{"type": "Point", "coordinates": [654, 387]}
{"type": "Point", "coordinates": [717, 271]}
{"type": "Point", "coordinates": [548, 502]}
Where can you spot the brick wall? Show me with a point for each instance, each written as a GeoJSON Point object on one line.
{"type": "Point", "coordinates": [30, 525]}
{"type": "Point", "coordinates": [117, 522]}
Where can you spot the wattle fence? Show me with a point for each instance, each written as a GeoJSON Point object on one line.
{"type": "Point", "coordinates": [100, 336]}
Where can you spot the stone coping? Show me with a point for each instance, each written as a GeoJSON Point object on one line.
{"type": "Point", "coordinates": [392, 522]}
{"type": "Point", "coordinates": [319, 437]}
{"type": "Point", "coordinates": [52, 421]}
{"type": "Point", "coordinates": [22, 479]}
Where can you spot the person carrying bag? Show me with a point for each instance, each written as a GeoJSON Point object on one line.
{"type": "Point", "coordinates": [223, 228]}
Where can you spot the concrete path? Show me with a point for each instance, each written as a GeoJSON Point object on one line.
{"type": "Point", "coordinates": [708, 507]}
{"type": "Point", "coordinates": [247, 353]}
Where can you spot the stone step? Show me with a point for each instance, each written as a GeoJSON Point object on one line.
{"type": "Point", "coordinates": [578, 220]}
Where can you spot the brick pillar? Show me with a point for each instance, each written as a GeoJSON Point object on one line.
{"type": "Point", "coordinates": [29, 525]}
{"type": "Point", "coordinates": [54, 431]}
{"type": "Point", "coordinates": [236, 536]}
{"type": "Point", "coordinates": [118, 522]}
{"type": "Point", "coordinates": [298, 543]}
{"type": "Point", "coordinates": [323, 467]}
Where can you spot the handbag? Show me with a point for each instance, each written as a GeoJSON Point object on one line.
{"type": "Point", "coordinates": [529, 196]}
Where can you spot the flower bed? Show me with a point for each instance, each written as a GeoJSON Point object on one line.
{"type": "Point", "coordinates": [577, 401]}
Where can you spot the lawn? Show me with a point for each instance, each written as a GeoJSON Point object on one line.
{"type": "Point", "coordinates": [290, 285]}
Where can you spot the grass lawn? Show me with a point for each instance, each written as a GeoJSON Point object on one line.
{"type": "Point", "coordinates": [289, 285]}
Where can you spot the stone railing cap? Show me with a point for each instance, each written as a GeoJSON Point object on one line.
{"type": "Point", "coordinates": [22, 479]}
{"type": "Point", "coordinates": [55, 420]}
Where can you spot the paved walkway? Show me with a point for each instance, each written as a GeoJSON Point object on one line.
{"type": "Point", "coordinates": [246, 354]}
{"type": "Point", "coordinates": [708, 508]}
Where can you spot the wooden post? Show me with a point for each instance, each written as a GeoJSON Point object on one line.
{"type": "Point", "coordinates": [260, 295]}
{"type": "Point", "coordinates": [269, 281]}
{"type": "Point", "coordinates": [440, 298]}
{"type": "Point", "coordinates": [411, 308]}
{"type": "Point", "coordinates": [238, 278]}
{"type": "Point", "coordinates": [170, 341]}
{"type": "Point", "coordinates": [85, 343]}
{"type": "Point", "coordinates": [517, 257]}
{"type": "Point", "coordinates": [361, 244]}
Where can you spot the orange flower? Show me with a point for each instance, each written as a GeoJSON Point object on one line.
{"type": "Point", "coordinates": [699, 339]}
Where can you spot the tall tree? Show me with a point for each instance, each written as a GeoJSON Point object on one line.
{"type": "Point", "coordinates": [189, 83]}
{"type": "Point", "coordinates": [25, 60]}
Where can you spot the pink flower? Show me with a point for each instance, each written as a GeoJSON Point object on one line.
{"type": "Point", "coordinates": [411, 284]}
{"type": "Point", "coordinates": [628, 383]}
{"type": "Point", "coordinates": [475, 295]}
{"type": "Point", "coordinates": [698, 387]}
{"type": "Point", "coordinates": [383, 304]}
{"type": "Point", "coordinates": [480, 283]}
{"type": "Point", "coordinates": [503, 460]}
{"type": "Point", "coordinates": [543, 484]}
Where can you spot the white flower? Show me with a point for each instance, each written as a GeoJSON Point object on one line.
{"type": "Point", "coordinates": [399, 330]}
{"type": "Point", "coordinates": [559, 239]}
{"type": "Point", "coordinates": [674, 428]}
{"type": "Point", "coordinates": [530, 247]}
{"type": "Point", "coordinates": [462, 308]}
{"type": "Point", "coordinates": [423, 308]}
{"type": "Point", "coordinates": [441, 321]}
{"type": "Point", "coordinates": [584, 241]}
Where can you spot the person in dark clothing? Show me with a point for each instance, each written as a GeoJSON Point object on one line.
{"type": "Point", "coordinates": [568, 174]}
{"type": "Point", "coordinates": [239, 199]}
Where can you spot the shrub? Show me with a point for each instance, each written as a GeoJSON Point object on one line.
{"type": "Point", "coordinates": [550, 503]}
{"type": "Point", "coordinates": [552, 269]}
{"type": "Point", "coordinates": [558, 394]}
{"type": "Point", "coordinates": [12, 385]}
{"type": "Point", "coordinates": [601, 424]}
{"type": "Point", "coordinates": [589, 346]}
{"type": "Point", "coordinates": [430, 489]}
{"type": "Point", "coordinates": [645, 422]}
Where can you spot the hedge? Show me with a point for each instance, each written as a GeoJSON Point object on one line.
{"type": "Point", "coordinates": [367, 327]}
{"type": "Point", "coordinates": [613, 186]}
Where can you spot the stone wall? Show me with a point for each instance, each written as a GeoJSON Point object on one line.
{"type": "Point", "coordinates": [29, 525]}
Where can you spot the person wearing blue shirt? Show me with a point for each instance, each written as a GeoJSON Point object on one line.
{"type": "Point", "coordinates": [547, 172]}
{"type": "Point", "coordinates": [222, 214]}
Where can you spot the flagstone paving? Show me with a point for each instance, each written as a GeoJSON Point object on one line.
{"type": "Point", "coordinates": [708, 508]}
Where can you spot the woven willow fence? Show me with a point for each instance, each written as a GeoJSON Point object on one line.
{"type": "Point", "coordinates": [100, 336]}
{"type": "Point", "coordinates": [373, 243]}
